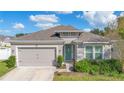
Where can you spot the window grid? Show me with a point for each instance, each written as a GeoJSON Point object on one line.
{"type": "Point", "coordinates": [70, 34]}
{"type": "Point", "coordinates": [98, 54]}
{"type": "Point", "coordinates": [89, 53]}
{"type": "Point", "coordinates": [94, 53]}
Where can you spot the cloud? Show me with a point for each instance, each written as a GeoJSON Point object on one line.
{"type": "Point", "coordinates": [1, 20]}
{"type": "Point", "coordinates": [122, 14]}
{"type": "Point", "coordinates": [18, 26]}
{"type": "Point", "coordinates": [44, 18]}
{"type": "Point", "coordinates": [99, 18]}
{"type": "Point", "coordinates": [64, 12]}
{"type": "Point", "coordinates": [4, 31]}
{"type": "Point", "coordinates": [45, 21]}
{"type": "Point", "coordinates": [87, 29]}
{"type": "Point", "coordinates": [45, 25]}
{"type": "Point", "coordinates": [79, 16]}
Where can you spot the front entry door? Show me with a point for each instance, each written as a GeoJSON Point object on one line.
{"type": "Point", "coordinates": [68, 52]}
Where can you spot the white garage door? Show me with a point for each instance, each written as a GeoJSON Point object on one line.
{"type": "Point", "coordinates": [36, 56]}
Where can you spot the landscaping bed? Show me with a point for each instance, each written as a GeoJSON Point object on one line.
{"type": "Point", "coordinates": [7, 65]}
{"type": "Point", "coordinates": [93, 70]}
{"type": "Point", "coordinates": [77, 76]}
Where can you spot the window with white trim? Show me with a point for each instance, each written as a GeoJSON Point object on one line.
{"type": "Point", "coordinates": [69, 34]}
{"type": "Point", "coordinates": [98, 52]}
{"type": "Point", "coordinates": [89, 52]}
{"type": "Point", "coordinates": [93, 52]}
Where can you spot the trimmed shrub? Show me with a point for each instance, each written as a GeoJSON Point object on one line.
{"type": "Point", "coordinates": [11, 61]}
{"type": "Point", "coordinates": [94, 62]}
{"type": "Point", "coordinates": [94, 69]}
{"type": "Point", "coordinates": [60, 60]}
{"type": "Point", "coordinates": [107, 67]}
{"type": "Point", "coordinates": [110, 66]}
{"type": "Point", "coordinates": [116, 65]}
{"type": "Point", "coordinates": [82, 66]}
{"type": "Point", "coordinates": [104, 67]}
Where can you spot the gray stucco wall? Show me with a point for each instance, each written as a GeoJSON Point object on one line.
{"type": "Point", "coordinates": [59, 49]}
{"type": "Point", "coordinates": [118, 49]}
{"type": "Point", "coordinates": [13, 48]}
{"type": "Point", "coordinates": [80, 51]}
{"type": "Point", "coordinates": [107, 51]}
{"type": "Point", "coordinates": [69, 40]}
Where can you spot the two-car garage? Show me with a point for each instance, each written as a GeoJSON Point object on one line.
{"type": "Point", "coordinates": [36, 56]}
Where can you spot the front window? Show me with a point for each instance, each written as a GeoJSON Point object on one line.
{"type": "Point", "coordinates": [93, 52]}
{"type": "Point", "coordinates": [65, 34]}
{"type": "Point", "coordinates": [89, 52]}
{"type": "Point", "coordinates": [98, 52]}
{"type": "Point", "coordinates": [69, 34]}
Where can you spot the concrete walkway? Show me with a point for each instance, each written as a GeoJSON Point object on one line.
{"type": "Point", "coordinates": [69, 67]}
{"type": "Point", "coordinates": [30, 74]}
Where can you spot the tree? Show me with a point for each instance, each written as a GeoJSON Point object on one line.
{"type": "Point", "coordinates": [20, 34]}
{"type": "Point", "coordinates": [120, 28]}
{"type": "Point", "coordinates": [112, 25]}
{"type": "Point", "coordinates": [97, 31]}
{"type": "Point", "coordinates": [107, 30]}
{"type": "Point", "coordinates": [121, 32]}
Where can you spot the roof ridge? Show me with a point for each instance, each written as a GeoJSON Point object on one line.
{"type": "Point", "coordinates": [52, 29]}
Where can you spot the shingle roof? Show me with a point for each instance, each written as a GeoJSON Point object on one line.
{"type": "Point", "coordinates": [49, 34]}
{"type": "Point", "coordinates": [90, 37]}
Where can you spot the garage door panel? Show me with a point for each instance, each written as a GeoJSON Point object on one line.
{"type": "Point", "coordinates": [36, 56]}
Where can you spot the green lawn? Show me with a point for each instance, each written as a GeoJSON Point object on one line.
{"type": "Point", "coordinates": [74, 76]}
{"type": "Point", "coordinates": [4, 69]}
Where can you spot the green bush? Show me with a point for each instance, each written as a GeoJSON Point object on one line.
{"type": "Point", "coordinates": [116, 65]}
{"type": "Point", "coordinates": [82, 66]}
{"type": "Point", "coordinates": [121, 32]}
{"type": "Point", "coordinates": [11, 61]}
{"type": "Point", "coordinates": [94, 69]}
{"type": "Point", "coordinates": [60, 60]}
{"type": "Point", "coordinates": [107, 67]}
{"type": "Point", "coordinates": [110, 66]}
{"type": "Point", "coordinates": [104, 67]}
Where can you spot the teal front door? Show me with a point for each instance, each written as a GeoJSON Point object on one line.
{"type": "Point", "coordinates": [68, 52]}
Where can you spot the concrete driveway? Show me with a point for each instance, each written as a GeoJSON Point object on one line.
{"type": "Point", "coordinates": [30, 74]}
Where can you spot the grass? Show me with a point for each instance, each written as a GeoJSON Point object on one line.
{"type": "Point", "coordinates": [75, 76]}
{"type": "Point", "coordinates": [4, 69]}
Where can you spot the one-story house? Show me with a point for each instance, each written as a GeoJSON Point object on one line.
{"type": "Point", "coordinates": [43, 47]}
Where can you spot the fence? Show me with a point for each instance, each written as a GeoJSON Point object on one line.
{"type": "Point", "coordinates": [5, 53]}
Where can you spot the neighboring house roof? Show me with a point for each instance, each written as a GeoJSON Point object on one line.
{"type": "Point", "coordinates": [49, 34]}
{"type": "Point", "coordinates": [5, 39]}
